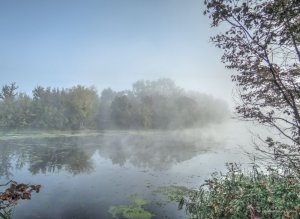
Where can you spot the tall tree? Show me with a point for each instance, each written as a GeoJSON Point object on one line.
{"type": "Point", "coordinates": [261, 41]}
{"type": "Point", "coordinates": [82, 103]}
{"type": "Point", "coordinates": [8, 92]}
{"type": "Point", "coordinates": [103, 118]}
{"type": "Point", "coordinates": [8, 108]}
{"type": "Point", "coordinates": [121, 111]}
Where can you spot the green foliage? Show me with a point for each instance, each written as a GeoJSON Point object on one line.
{"type": "Point", "coordinates": [82, 104]}
{"type": "Point", "coordinates": [121, 111]}
{"type": "Point", "coordinates": [133, 211]}
{"type": "Point", "coordinates": [149, 105]}
{"type": "Point", "coordinates": [8, 92]}
{"type": "Point", "coordinates": [162, 105]}
{"type": "Point", "coordinates": [239, 195]}
{"type": "Point", "coordinates": [6, 213]}
{"type": "Point", "coordinates": [261, 43]}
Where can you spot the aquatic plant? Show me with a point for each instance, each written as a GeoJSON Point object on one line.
{"type": "Point", "coordinates": [133, 211]}
{"type": "Point", "coordinates": [173, 193]}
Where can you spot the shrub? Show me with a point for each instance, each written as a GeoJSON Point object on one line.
{"type": "Point", "coordinates": [237, 194]}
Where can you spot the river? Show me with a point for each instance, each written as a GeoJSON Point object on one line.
{"type": "Point", "coordinates": [89, 174]}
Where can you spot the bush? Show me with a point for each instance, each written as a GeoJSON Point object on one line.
{"type": "Point", "coordinates": [254, 194]}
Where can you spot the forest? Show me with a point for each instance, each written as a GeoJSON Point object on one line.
{"type": "Point", "coordinates": [158, 104]}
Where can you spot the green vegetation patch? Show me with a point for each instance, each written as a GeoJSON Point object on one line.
{"type": "Point", "coordinates": [130, 212]}
{"type": "Point", "coordinates": [6, 213]}
{"type": "Point", "coordinates": [237, 194]}
{"type": "Point", "coordinates": [138, 200]}
{"type": "Point", "coordinates": [173, 193]}
{"type": "Point", "coordinates": [11, 135]}
{"type": "Point", "coordinates": [133, 211]}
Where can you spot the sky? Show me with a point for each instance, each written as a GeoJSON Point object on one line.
{"type": "Point", "coordinates": [109, 43]}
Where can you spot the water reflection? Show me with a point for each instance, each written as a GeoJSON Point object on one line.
{"type": "Point", "coordinates": [157, 151]}
{"type": "Point", "coordinates": [44, 156]}
{"type": "Point", "coordinates": [83, 176]}
{"type": "Point", "coordinates": [58, 154]}
{"type": "Point", "coordinates": [6, 161]}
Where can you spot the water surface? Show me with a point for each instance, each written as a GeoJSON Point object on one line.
{"type": "Point", "coordinates": [84, 174]}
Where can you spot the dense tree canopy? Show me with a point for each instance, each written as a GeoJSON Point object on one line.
{"type": "Point", "coordinates": [149, 105]}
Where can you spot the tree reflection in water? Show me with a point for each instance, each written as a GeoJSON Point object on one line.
{"type": "Point", "coordinates": [157, 150]}
{"type": "Point", "coordinates": [6, 161]}
{"type": "Point", "coordinates": [153, 150]}
{"type": "Point", "coordinates": [44, 156]}
{"type": "Point", "coordinates": [95, 154]}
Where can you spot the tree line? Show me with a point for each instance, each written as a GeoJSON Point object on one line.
{"type": "Point", "coordinates": [159, 104]}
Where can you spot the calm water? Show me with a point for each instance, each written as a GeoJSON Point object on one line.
{"type": "Point", "coordinates": [82, 176]}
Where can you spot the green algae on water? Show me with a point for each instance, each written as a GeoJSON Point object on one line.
{"type": "Point", "coordinates": [138, 200]}
{"type": "Point", "coordinates": [173, 193]}
{"type": "Point", "coordinates": [133, 211]}
{"type": "Point", "coordinates": [130, 212]}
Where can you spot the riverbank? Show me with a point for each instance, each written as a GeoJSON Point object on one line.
{"type": "Point", "coordinates": [239, 194]}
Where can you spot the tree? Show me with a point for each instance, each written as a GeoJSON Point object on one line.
{"type": "Point", "coordinates": [163, 86]}
{"type": "Point", "coordinates": [82, 102]}
{"type": "Point", "coordinates": [8, 108]}
{"type": "Point", "coordinates": [49, 108]}
{"type": "Point", "coordinates": [8, 92]}
{"type": "Point", "coordinates": [261, 42]}
{"type": "Point", "coordinates": [23, 115]}
{"type": "Point", "coordinates": [103, 119]}
{"type": "Point", "coordinates": [121, 111]}
{"type": "Point", "coordinates": [158, 104]}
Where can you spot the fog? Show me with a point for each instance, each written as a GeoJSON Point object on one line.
{"type": "Point", "coordinates": [110, 44]}
{"type": "Point", "coordinates": [99, 149]}
{"type": "Point", "coordinates": [157, 150]}
{"type": "Point", "coordinates": [106, 167]}
{"type": "Point", "coordinates": [158, 104]}
{"type": "Point", "coordinates": [104, 100]}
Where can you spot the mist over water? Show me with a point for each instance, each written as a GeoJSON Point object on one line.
{"type": "Point", "coordinates": [96, 153]}
{"type": "Point", "coordinates": [104, 101]}
{"type": "Point", "coordinates": [84, 174]}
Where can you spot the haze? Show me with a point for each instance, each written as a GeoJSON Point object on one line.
{"type": "Point", "coordinates": [103, 103]}
{"type": "Point", "coordinates": [109, 44]}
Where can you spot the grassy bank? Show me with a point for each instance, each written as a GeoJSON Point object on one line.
{"type": "Point", "coordinates": [237, 194]}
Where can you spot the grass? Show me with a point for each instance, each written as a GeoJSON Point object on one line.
{"type": "Point", "coordinates": [237, 194]}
